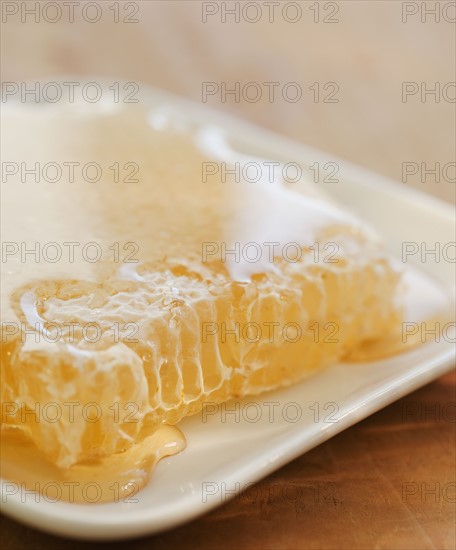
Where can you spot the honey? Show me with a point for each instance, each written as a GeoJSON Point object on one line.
{"type": "Point", "coordinates": [140, 286]}
{"type": "Point", "coordinates": [116, 478]}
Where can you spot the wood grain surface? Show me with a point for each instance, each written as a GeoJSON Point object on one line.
{"type": "Point", "coordinates": [388, 482]}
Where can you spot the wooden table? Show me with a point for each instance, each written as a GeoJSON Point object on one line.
{"type": "Point", "coordinates": [385, 468]}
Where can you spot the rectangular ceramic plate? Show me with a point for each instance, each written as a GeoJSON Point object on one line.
{"type": "Point", "coordinates": [226, 455]}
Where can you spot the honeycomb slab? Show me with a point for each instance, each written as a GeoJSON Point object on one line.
{"type": "Point", "coordinates": [150, 266]}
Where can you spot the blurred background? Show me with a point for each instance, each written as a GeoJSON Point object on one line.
{"type": "Point", "coordinates": [376, 79]}
{"type": "Point", "coordinates": [366, 69]}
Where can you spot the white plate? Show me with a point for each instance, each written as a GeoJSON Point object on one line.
{"type": "Point", "coordinates": [223, 456]}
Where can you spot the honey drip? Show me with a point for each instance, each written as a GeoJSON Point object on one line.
{"type": "Point", "coordinates": [112, 479]}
